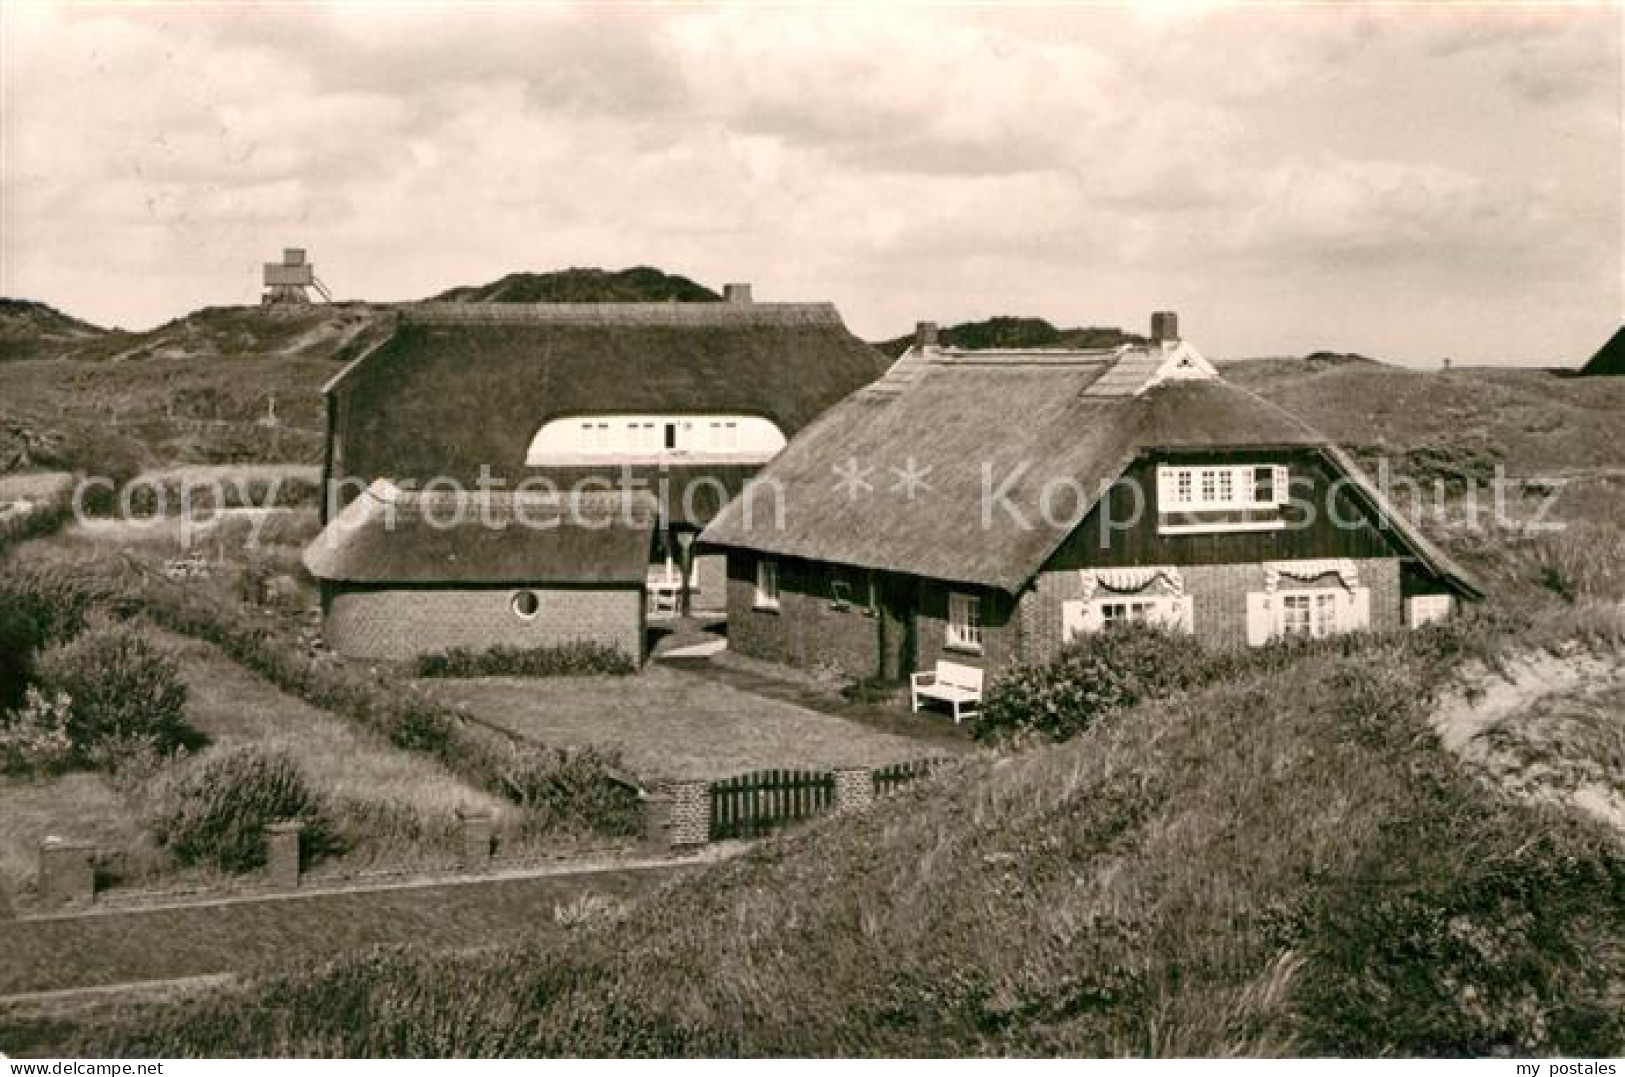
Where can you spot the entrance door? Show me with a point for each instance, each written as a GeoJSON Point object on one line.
{"type": "Point", "coordinates": [899, 604]}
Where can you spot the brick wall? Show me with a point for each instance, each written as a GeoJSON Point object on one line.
{"type": "Point", "coordinates": [1219, 608]}
{"type": "Point", "coordinates": [402, 623]}
{"type": "Point", "coordinates": [808, 629]}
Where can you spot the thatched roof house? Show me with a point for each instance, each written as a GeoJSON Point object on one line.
{"type": "Point", "coordinates": [457, 387]}
{"type": "Point", "coordinates": [984, 472]}
{"type": "Point", "coordinates": [685, 401]}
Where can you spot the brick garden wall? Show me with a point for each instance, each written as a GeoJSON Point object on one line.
{"type": "Point", "coordinates": [1220, 606]}
{"type": "Point", "coordinates": [364, 622]}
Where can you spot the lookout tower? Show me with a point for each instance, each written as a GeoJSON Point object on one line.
{"type": "Point", "coordinates": [290, 280]}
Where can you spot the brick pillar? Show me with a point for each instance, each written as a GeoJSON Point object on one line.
{"type": "Point", "coordinates": [282, 849]}
{"type": "Point", "coordinates": [854, 788]}
{"type": "Point", "coordinates": [657, 821]}
{"type": "Point", "coordinates": [690, 814]}
{"type": "Point", "coordinates": [67, 877]}
{"type": "Point", "coordinates": [477, 829]}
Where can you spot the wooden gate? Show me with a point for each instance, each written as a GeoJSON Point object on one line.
{"type": "Point", "coordinates": [751, 805]}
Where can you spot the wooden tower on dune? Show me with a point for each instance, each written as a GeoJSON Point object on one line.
{"type": "Point", "coordinates": [291, 280]}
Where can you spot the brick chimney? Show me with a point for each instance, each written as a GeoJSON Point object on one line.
{"type": "Point", "coordinates": [925, 335]}
{"type": "Point", "coordinates": [1164, 327]}
{"type": "Point", "coordinates": [736, 293]}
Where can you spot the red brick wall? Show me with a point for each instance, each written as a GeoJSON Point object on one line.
{"type": "Point", "coordinates": [1219, 607]}
{"type": "Point", "coordinates": [402, 623]}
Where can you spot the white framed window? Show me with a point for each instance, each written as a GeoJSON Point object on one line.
{"type": "Point", "coordinates": [1080, 617]}
{"type": "Point", "coordinates": [1200, 489]}
{"type": "Point", "coordinates": [767, 583]}
{"type": "Point", "coordinates": [1312, 613]}
{"type": "Point", "coordinates": [964, 622]}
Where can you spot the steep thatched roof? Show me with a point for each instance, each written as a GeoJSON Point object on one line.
{"type": "Point", "coordinates": [458, 386]}
{"type": "Point", "coordinates": [388, 535]}
{"type": "Point", "coordinates": [974, 424]}
{"type": "Point", "coordinates": [1610, 358]}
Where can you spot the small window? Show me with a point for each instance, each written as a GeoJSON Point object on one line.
{"type": "Point", "coordinates": [1136, 611]}
{"type": "Point", "coordinates": [525, 605]}
{"type": "Point", "coordinates": [841, 592]}
{"type": "Point", "coordinates": [1264, 485]}
{"type": "Point", "coordinates": [1312, 615]}
{"type": "Point", "coordinates": [1184, 486]}
{"type": "Point", "coordinates": [767, 584]}
{"type": "Point", "coordinates": [671, 435]}
{"type": "Point", "coordinates": [964, 622]}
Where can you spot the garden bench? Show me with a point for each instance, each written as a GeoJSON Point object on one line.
{"type": "Point", "coordinates": [957, 685]}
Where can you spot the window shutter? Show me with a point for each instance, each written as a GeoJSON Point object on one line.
{"type": "Point", "coordinates": [1180, 615]}
{"type": "Point", "coordinates": [1283, 485]}
{"type": "Point", "coordinates": [1357, 606]}
{"type": "Point", "coordinates": [1080, 618]}
{"type": "Point", "coordinates": [1260, 618]}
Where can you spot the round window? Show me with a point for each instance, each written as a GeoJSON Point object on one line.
{"type": "Point", "coordinates": [526, 604]}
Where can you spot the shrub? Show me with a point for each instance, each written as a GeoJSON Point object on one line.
{"type": "Point", "coordinates": [214, 811]}
{"type": "Point", "coordinates": [581, 658]}
{"type": "Point", "coordinates": [121, 687]}
{"type": "Point", "coordinates": [37, 608]}
{"type": "Point", "coordinates": [35, 739]}
{"type": "Point", "coordinates": [578, 791]}
{"type": "Point", "coordinates": [1091, 675]}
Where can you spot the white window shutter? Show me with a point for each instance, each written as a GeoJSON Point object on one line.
{"type": "Point", "coordinates": [1357, 606]}
{"type": "Point", "coordinates": [1260, 618]}
{"type": "Point", "coordinates": [1177, 614]}
{"type": "Point", "coordinates": [1166, 495]}
{"type": "Point", "coordinates": [1080, 618]}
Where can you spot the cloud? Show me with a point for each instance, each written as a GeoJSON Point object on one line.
{"type": "Point", "coordinates": [1088, 164]}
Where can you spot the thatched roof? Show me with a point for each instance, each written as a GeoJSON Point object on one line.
{"type": "Point", "coordinates": [1610, 358]}
{"type": "Point", "coordinates": [458, 386]}
{"type": "Point", "coordinates": [970, 423]}
{"type": "Point", "coordinates": [388, 535]}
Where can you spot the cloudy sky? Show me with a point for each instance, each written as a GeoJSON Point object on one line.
{"type": "Point", "coordinates": [1411, 182]}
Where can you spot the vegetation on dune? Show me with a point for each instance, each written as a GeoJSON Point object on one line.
{"type": "Point", "coordinates": [1214, 874]}
{"type": "Point", "coordinates": [640, 284]}
{"type": "Point", "coordinates": [1012, 332]}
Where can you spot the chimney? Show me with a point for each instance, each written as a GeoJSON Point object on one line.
{"type": "Point", "coordinates": [736, 293]}
{"type": "Point", "coordinates": [1164, 327]}
{"type": "Point", "coordinates": [925, 335]}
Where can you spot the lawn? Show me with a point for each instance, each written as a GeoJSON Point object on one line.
{"type": "Point", "coordinates": [670, 724]}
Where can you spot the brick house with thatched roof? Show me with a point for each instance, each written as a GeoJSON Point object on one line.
{"type": "Point", "coordinates": [985, 506]}
{"type": "Point", "coordinates": [682, 401]}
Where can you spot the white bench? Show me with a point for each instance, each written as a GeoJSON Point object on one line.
{"type": "Point", "coordinates": [957, 685]}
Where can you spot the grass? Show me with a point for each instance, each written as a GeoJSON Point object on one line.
{"type": "Point", "coordinates": [670, 724]}
{"type": "Point", "coordinates": [82, 805]}
{"type": "Point", "coordinates": [1216, 875]}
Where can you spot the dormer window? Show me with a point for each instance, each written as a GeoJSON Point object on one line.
{"type": "Point", "coordinates": [1227, 497]}
{"type": "Point", "coordinates": [652, 439]}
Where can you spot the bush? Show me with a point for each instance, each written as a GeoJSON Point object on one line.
{"type": "Point", "coordinates": [35, 740]}
{"type": "Point", "coordinates": [576, 791]}
{"type": "Point", "coordinates": [120, 687]}
{"type": "Point", "coordinates": [214, 811]}
{"type": "Point", "coordinates": [37, 609]}
{"type": "Point", "coordinates": [581, 658]}
{"type": "Point", "coordinates": [1093, 674]}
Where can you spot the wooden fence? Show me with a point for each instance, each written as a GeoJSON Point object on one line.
{"type": "Point", "coordinates": [751, 805]}
{"type": "Point", "coordinates": [889, 779]}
